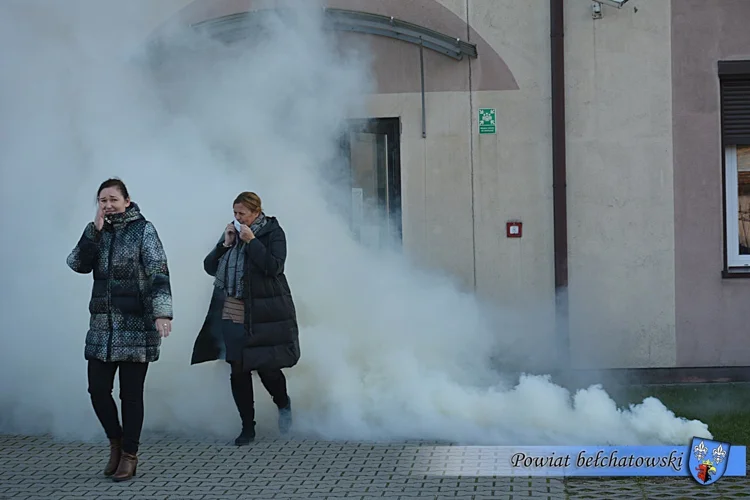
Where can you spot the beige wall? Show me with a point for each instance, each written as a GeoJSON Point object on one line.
{"type": "Point", "coordinates": [460, 188]}
{"type": "Point", "coordinates": [513, 173]}
{"type": "Point", "coordinates": [621, 235]}
{"type": "Point", "coordinates": [620, 191]}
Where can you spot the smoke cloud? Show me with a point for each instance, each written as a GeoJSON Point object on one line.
{"type": "Point", "coordinates": [388, 351]}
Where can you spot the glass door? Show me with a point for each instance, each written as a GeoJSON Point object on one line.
{"type": "Point", "coordinates": [375, 181]}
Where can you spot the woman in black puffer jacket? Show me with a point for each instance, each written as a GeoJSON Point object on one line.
{"type": "Point", "coordinates": [251, 321]}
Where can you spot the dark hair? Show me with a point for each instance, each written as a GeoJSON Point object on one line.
{"type": "Point", "coordinates": [115, 183]}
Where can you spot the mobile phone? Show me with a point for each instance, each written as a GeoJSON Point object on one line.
{"type": "Point", "coordinates": [237, 225]}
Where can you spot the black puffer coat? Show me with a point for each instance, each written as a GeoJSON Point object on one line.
{"type": "Point", "coordinates": [131, 287]}
{"type": "Point", "coordinates": [272, 336]}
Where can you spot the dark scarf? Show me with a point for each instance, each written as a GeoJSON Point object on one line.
{"type": "Point", "coordinates": [231, 268]}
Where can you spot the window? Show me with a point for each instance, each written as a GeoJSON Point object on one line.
{"type": "Point", "coordinates": [735, 130]}
{"type": "Point", "coordinates": [738, 205]}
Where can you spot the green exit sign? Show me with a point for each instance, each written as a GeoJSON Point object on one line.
{"type": "Point", "coordinates": [487, 121]}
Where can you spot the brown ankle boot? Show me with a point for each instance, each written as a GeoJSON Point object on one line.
{"type": "Point", "coordinates": [114, 456]}
{"type": "Point", "coordinates": [127, 467]}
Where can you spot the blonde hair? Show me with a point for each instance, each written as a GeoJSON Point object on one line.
{"type": "Point", "coordinates": [249, 200]}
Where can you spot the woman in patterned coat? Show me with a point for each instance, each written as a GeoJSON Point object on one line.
{"type": "Point", "coordinates": [131, 310]}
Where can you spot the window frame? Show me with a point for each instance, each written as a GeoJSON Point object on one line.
{"type": "Point", "coordinates": [731, 74]}
{"type": "Point", "coordinates": [734, 260]}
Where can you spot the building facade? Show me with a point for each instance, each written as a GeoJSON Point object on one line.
{"type": "Point", "coordinates": [651, 252]}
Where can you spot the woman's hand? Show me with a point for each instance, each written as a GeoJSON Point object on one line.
{"type": "Point", "coordinates": [246, 234]}
{"type": "Point", "coordinates": [164, 326]}
{"type": "Point", "coordinates": [99, 219]}
{"type": "Point", "coordinates": [229, 235]}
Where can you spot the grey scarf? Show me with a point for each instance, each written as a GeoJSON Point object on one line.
{"type": "Point", "coordinates": [231, 270]}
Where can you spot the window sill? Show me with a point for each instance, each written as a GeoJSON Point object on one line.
{"type": "Point", "coordinates": [736, 272]}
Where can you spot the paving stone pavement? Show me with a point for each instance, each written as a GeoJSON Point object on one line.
{"type": "Point", "coordinates": [179, 468]}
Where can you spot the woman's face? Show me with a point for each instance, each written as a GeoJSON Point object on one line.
{"type": "Point", "coordinates": [111, 201]}
{"type": "Point", "coordinates": [244, 215]}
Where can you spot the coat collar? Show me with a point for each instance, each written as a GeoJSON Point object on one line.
{"type": "Point", "coordinates": [131, 214]}
{"type": "Point", "coordinates": [271, 224]}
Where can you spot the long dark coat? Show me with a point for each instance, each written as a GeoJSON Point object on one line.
{"type": "Point", "coordinates": [131, 287]}
{"type": "Point", "coordinates": [271, 332]}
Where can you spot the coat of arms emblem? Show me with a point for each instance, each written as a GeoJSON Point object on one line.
{"type": "Point", "coordinates": [708, 460]}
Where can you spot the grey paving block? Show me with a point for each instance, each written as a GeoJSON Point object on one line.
{"type": "Point", "coordinates": [175, 467]}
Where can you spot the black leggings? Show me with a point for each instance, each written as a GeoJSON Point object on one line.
{"type": "Point", "coordinates": [242, 390]}
{"type": "Point", "coordinates": [101, 377]}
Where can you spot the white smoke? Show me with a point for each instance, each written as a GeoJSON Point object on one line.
{"type": "Point", "coordinates": [387, 352]}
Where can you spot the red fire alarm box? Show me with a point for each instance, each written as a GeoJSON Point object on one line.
{"type": "Point", "coordinates": [514, 229]}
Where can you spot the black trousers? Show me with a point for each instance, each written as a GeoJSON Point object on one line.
{"type": "Point", "coordinates": [101, 378]}
{"type": "Point", "coordinates": [242, 390]}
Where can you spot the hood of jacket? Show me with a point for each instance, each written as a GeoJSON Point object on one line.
{"type": "Point", "coordinates": [131, 214]}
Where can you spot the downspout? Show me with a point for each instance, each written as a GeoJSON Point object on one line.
{"type": "Point", "coordinates": [559, 194]}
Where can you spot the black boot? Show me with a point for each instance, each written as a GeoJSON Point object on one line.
{"type": "Point", "coordinates": [285, 419]}
{"type": "Point", "coordinates": [246, 437]}
{"type": "Point", "coordinates": [242, 391]}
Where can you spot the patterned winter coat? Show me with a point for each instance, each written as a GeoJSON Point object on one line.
{"type": "Point", "coordinates": [131, 287]}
